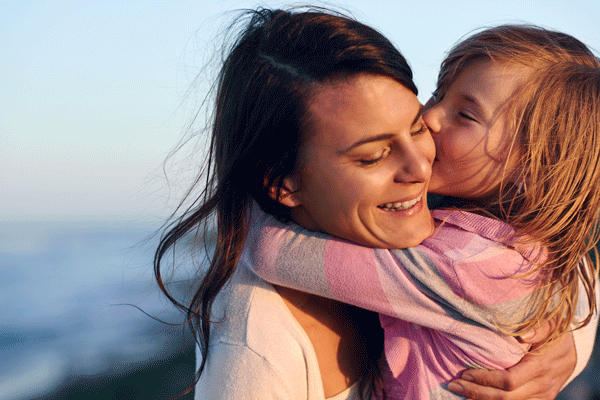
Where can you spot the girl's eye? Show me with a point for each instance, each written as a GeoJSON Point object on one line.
{"type": "Point", "coordinates": [372, 161]}
{"type": "Point", "coordinates": [466, 116]}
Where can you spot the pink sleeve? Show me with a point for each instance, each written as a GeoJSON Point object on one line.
{"type": "Point", "coordinates": [419, 285]}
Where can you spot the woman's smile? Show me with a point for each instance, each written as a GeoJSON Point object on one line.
{"type": "Point", "coordinates": [400, 205]}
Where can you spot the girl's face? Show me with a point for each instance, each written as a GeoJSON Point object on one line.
{"type": "Point", "coordinates": [470, 128]}
{"type": "Point", "coordinates": [366, 164]}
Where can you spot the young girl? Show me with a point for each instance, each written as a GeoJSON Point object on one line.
{"type": "Point", "coordinates": [516, 121]}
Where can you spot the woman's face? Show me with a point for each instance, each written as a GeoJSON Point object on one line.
{"type": "Point", "coordinates": [470, 128]}
{"type": "Point", "coordinates": [366, 164]}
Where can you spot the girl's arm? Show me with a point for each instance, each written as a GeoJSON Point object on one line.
{"type": "Point", "coordinates": [412, 284]}
{"type": "Point", "coordinates": [290, 256]}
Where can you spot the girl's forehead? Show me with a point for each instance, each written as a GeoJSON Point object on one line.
{"type": "Point", "coordinates": [489, 71]}
{"type": "Point", "coordinates": [490, 80]}
{"type": "Point", "coordinates": [487, 87]}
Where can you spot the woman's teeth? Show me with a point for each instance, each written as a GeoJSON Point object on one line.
{"type": "Point", "coordinates": [403, 205]}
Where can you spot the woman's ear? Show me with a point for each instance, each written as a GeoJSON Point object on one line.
{"type": "Point", "coordinates": [288, 193]}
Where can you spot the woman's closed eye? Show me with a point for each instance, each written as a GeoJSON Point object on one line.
{"type": "Point", "coordinates": [423, 129]}
{"type": "Point", "coordinates": [375, 159]}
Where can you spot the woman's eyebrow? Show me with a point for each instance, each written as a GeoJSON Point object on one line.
{"type": "Point", "coordinates": [383, 136]}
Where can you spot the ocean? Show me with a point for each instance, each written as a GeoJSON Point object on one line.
{"type": "Point", "coordinates": [76, 308]}
{"type": "Point", "coordinates": [71, 301]}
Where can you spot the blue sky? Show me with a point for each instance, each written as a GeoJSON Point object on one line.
{"type": "Point", "coordinates": [94, 94]}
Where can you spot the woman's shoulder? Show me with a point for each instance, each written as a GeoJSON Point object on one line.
{"type": "Point", "coordinates": [253, 332]}
{"type": "Point", "coordinates": [249, 308]}
{"type": "Point", "coordinates": [251, 314]}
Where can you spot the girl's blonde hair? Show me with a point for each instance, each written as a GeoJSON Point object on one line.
{"type": "Point", "coordinates": [555, 119]}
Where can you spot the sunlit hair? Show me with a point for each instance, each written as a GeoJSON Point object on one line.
{"type": "Point", "coordinates": [277, 61]}
{"type": "Point", "coordinates": [554, 117]}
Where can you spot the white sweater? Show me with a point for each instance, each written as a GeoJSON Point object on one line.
{"type": "Point", "coordinates": [258, 350]}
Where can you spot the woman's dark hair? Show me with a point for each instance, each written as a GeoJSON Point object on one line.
{"type": "Point", "coordinates": [260, 121]}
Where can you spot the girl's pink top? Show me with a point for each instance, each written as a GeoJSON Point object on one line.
{"type": "Point", "coordinates": [442, 304]}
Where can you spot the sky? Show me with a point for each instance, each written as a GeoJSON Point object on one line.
{"type": "Point", "coordinates": [95, 94]}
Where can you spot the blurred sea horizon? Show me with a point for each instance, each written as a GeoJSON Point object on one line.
{"type": "Point", "coordinates": [73, 324]}
{"type": "Point", "coordinates": [71, 311]}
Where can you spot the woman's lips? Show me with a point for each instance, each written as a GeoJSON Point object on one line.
{"type": "Point", "coordinates": [401, 205]}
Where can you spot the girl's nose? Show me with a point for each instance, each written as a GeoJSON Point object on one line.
{"type": "Point", "coordinates": [432, 118]}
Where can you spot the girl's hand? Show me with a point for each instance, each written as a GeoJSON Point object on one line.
{"type": "Point", "coordinates": [538, 376]}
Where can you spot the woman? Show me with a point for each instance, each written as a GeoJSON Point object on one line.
{"type": "Point", "coordinates": [260, 120]}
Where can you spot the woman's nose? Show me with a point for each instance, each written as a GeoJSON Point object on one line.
{"type": "Point", "coordinates": [414, 166]}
